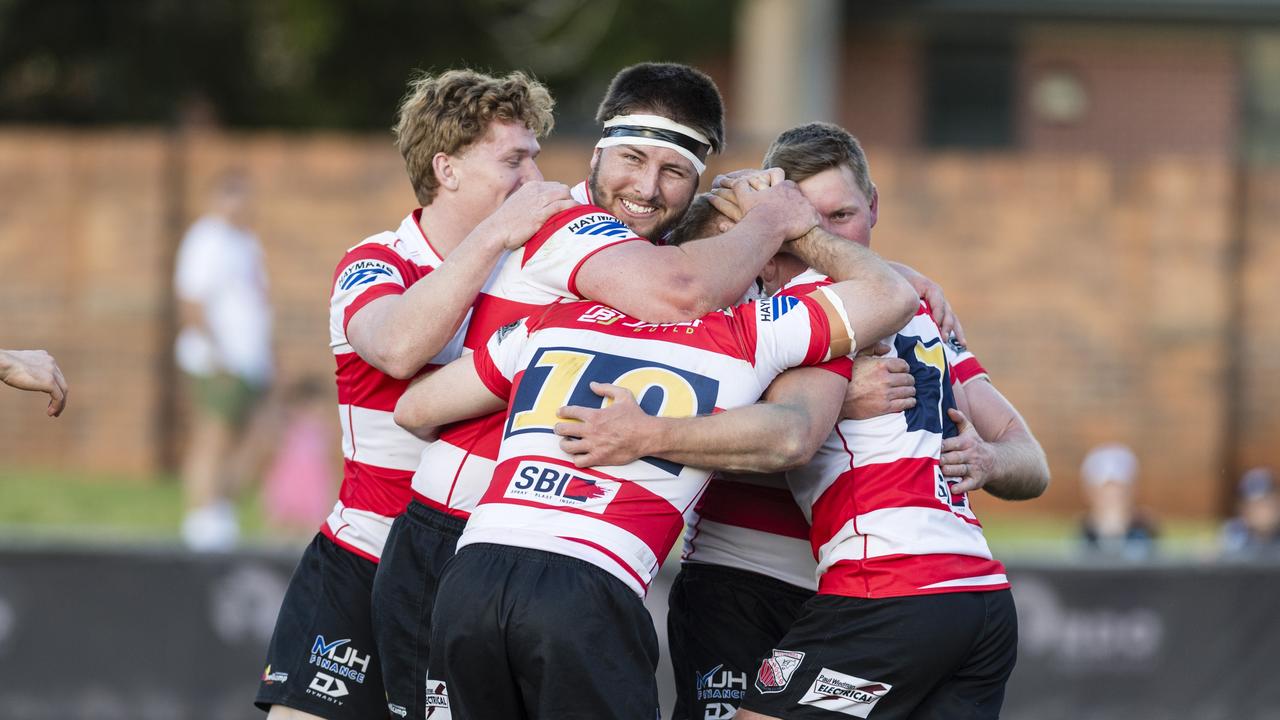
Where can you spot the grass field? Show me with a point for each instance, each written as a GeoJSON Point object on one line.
{"type": "Point", "coordinates": [45, 504]}
{"type": "Point", "coordinates": [50, 505]}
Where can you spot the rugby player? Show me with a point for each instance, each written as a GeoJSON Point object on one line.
{"type": "Point", "coordinates": [660, 122]}
{"type": "Point", "coordinates": [746, 573]}
{"type": "Point", "coordinates": [398, 306]}
{"type": "Point", "coordinates": [540, 613]}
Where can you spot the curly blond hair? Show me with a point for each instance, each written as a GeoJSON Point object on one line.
{"type": "Point", "coordinates": [445, 113]}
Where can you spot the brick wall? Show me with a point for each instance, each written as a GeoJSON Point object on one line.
{"type": "Point", "coordinates": [1094, 291]}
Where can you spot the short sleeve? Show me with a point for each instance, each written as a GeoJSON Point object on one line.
{"type": "Point", "coordinates": [196, 269]}
{"type": "Point", "coordinates": [367, 272]}
{"type": "Point", "coordinates": [791, 331]}
{"type": "Point", "coordinates": [552, 257]}
{"type": "Point", "coordinates": [497, 361]}
{"type": "Point", "coordinates": [965, 367]}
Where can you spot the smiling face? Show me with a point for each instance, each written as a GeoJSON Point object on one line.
{"type": "Point", "coordinates": [646, 187]}
{"type": "Point", "coordinates": [845, 210]}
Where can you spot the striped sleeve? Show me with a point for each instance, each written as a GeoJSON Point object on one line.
{"type": "Point", "coordinates": [553, 256]}
{"type": "Point", "coordinates": [497, 360]}
{"type": "Point", "coordinates": [965, 367]}
{"type": "Point", "coordinates": [367, 272]}
{"type": "Point", "coordinates": [792, 331]}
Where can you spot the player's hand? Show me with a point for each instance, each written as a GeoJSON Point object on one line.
{"type": "Point", "coordinates": [721, 180]}
{"type": "Point", "coordinates": [966, 456]}
{"type": "Point", "coordinates": [931, 292]}
{"type": "Point", "coordinates": [879, 386]}
{"type": "Point", "coordinates": [725, 203]}
{"type": "Point", "coordinates": [35, 370]}
{"type": "Point", "coordinates": [612, 435]}
{"type": "Point", "coordinates": [788, 210]}
{"type": "Point", "coordinates": [525, 211]}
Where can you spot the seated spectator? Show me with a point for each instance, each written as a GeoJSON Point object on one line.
{"type": "Point", "coordinates": [1113, 524]}
{"type": "Point", "coordinates": [1255, 531]}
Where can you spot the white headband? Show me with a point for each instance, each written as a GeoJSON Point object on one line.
{"type": "Point", "coordinates": [657, 131]}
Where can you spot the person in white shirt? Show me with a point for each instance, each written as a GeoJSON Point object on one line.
{"type": "Point", "coordinates": [224, 347]}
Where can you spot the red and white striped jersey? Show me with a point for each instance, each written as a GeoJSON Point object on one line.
{"type": "Point", "coordinates": [379, 457]}
{"type": "Point", "coordinates": [752, 522]}
{"type": "Point", "coordinates": [884, 520]}
{"type": "Point", "coordinates": [455, 470]}
{"type": "Point", "coordinates": [625, 519]}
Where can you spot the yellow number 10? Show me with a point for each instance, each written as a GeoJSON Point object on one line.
{"type": "Point", "coordinates": [567, 368]}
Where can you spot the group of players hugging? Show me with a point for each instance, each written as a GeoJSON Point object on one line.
{"type": "Point", "coordinates": [542, 389]}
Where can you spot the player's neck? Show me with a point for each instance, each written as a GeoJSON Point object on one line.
{"type": "Point", "coordinates": [786, 268]}
{"type": "Point", "coordinates": [444, 229]}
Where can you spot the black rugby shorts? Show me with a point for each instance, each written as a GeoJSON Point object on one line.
{"type": "Point", "coordinates": [721, 622]}
{"type": "Point", "coordinates": [321, 659]}
{"type": "Point", "coordinates": [945, 656]}
{"type": "Point", "coordinates": [421, 541]}
{"type": "Point", "coordinates": [520, 633]}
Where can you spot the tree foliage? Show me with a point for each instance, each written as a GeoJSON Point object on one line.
{"type": "Point", "coordinates": [320, 63]}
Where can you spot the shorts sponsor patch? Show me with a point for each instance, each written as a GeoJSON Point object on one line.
{"type": "Point", "coordinates": [340, 663]}
{"type": "Point", "coordinates": [328, 687]}
{"type": "Point", "coordinates": [721, 684]}
{"type": "Point", "coordinates": [271, 678]}
{"type": "Point", "coordinates": [776, 670]}
{"type": "Point", "coordinates": [437, 700]}
{"type": "Point", "coordinates": [398, 710]}
{"type": "Point", "coordinates": [364, 272]}
{"type": "Point", "coordinates": [845, 694]}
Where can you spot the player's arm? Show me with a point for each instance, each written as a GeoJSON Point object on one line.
{"type": "Point", "coordinates": [398, 334]}
{"type": "Point", "coordinates": [783, 431]}
{"type": "Point", "coordinates": [876, 300]}
{"type": "Point", "coordinates": [995, 450]}
{"type": "Point", "coordinates": [35, 370]}
{"type": "Point", "coordinates": [452, 393]}
{"type": "Point", "coordinates": [786, 430]}
{"type": "Point", "coordinates": [931, 292]}
{"type": "Point", "coordinates": [677, 284]}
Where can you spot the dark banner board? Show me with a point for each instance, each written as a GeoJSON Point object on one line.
{"type": "Point", "coordinates": [165, 635]}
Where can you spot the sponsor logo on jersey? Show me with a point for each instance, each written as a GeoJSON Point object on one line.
{"type": "Point", "coordinates": [776, 306]}
{"type": "Point", "coordinates": [719, 684]}
{"type": "Point", "coordinates": [270, 678]}
{"type": "Point", "coordinates": [437, 700]}
{"type": "Point", "coordinates": [363, 272]}
{"type": "Point", "coordinates": [505, 330]}
{"type": "Point", "coordinates": [560, 486]}
{"type": "Point", "coordinates": [600, 315]}
{"type": "Point", "coordinates": [776, 670]}
{"type": "Point", "coordinates": [719, 711]}
{"type": "Point", "coordinates": [340, 658]}
{"type": "Point", "coordinates": [327, 687]}
{"type": "Point", "coordinates": [844, 693]}
{"type": "Point", "coordinates": [598, 224]}
{"type": "Point", "coordinates": [639, 326]}
{"type": "Point", "coordinates": [956, 345]}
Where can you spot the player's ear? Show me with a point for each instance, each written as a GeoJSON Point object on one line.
{"type": "Point", "coordinates": [769, 273]}
{"type": "Point", "coordinates": [874, 205]}
{"type": "Point", "coordinates": [595, 158]}
{"type": "Point", "coordinates": [446, 173]}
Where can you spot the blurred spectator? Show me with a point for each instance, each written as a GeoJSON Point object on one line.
{"type": "Point", "coordinates": [1113, 525]}
{"type": "Point", "coordinates": [1255, 531]}
{"type": "Point", "coordinates": [224, 346]}
{"type": "Point", "coordinates": [35, 370]}
{"type": "Point", "coordinates": [299, 486]}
